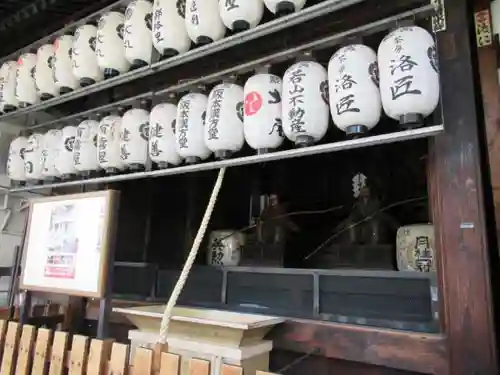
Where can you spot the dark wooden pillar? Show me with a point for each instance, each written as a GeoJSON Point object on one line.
{"type": "Point", "coordinates": [456, 186]}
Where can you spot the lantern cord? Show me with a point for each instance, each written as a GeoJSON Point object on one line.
{"type": "Point", "coordinates": [338, 233]}
{"type": "Point", "coordinates": [167, 314]}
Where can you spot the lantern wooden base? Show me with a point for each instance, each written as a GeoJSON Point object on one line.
{"type": "Point", "coordinates": [9, 108]}
{"type": "Point", "coordinates": [411, 121]}
{"type": "Point", "coordinates": [192, 160]}
{"type": "Point", "coordinates": [137, 63]}
{"type": "Point", "coordinates": [110, 73]}
{"type": "Point", "coordinates": [203, 40]}
{"type": "Point", "coordinates": [65, 90]}
{"type": "Point", "coordinates": [46, 96]}
{"type": "Point", "coordinates": [239, 26]}
{"type": "Point", "coordinates": [284, 8]}
{"type": "Point", "coordinates": [87, 81]}
{"type": "Point", "coordinates": [24, 104]}
{"type": "Point", "coordinates": [223, 154]}
{"type": "Point", "coordinates": [168, 53]}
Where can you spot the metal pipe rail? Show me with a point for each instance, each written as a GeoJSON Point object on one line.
{"type": "Point", "coordinates": [278, 155]}
{"type": "Point", "coordinates": [310, 13]}
{"type": "Point", "coordinates": [281, 56]}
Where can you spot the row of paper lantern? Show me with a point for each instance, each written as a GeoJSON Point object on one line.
{"type": "Point", "coordinates": [123, 41]}
{"type": "Point", "coordinates": [262, 113]}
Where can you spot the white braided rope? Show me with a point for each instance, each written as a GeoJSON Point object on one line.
{"type": "Point", "coordinates": [167, 314]}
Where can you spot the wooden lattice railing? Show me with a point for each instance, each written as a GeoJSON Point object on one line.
{"type": "Point", "coordinates": [24, 350]}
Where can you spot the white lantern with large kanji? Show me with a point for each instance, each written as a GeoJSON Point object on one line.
{"type": "Point", "coordinates": [33, 157]}
{"type": "Point", "coordinates": [64, 162]}
{"type": "Point", "coordinates": [15, 162]}
{"type": "Point", "coordinates": [51, 145]}
{"type": "Point", "coordinates": [26, 92]}
{"type": "Point", "coordinates": [44, 76]}
{"type": "Point", "coordinates": [83, 55]}
{"type": "Point", "coordinates": [85, 149]}
{"type": "Point", "coordinates": [189, 128]}
{"type": "Point", "coordinates": [284, 7]}
{"type": "Point", "coordinates": [262, 112]}
{"type": "Point", "coordinates": [134, 137]}
{"type": "Point", "coordinates": [353, 89]}
{"type": "Point", "coordinates": [241, 15]}
{"type": "Point", "coordinates": [137, 33]}
{"type": "Point", "coordinates": [108, 144]}
{"type": "Point", "coordinates": [224, 121]}
{"type": "Point", "coordinates": [203, 22]}
{"type": "Point", "coordinates": [409, 78]}
{"type": "Point", "coordinates": [162, 143]}
{"type": "Point", "coordinates": [64, 79]}
{"type": "Point", "coordinates": [110, 50]}
{"type": "Point", "coordinates": [8, 74]}
{"type": "Point", "coordinates": [305, 103]}
{"type": "Point", "coordinates": [168, 30]}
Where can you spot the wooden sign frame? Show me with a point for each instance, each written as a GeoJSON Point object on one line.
{"type": "Point", "coordinates": [106, 234]}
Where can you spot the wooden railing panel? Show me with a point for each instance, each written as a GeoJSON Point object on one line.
{"type": "Point", "coordinates": [199, 367]}
{"type": "Point", "coordinates": [58, 355]}
{"type": "Point", "coordinates": [231, 370]}
{"type": "Point", "coordinates": [99, 353]}
{"type": "Point", "coordinates": [142, 362]}
{"type": "Point", "coordinates": [78, 356]}
{"type": "Point", "coordinates": [170, 364]}
{"type": "Point", "coordinates": [25, 352]}
{"type": "Point", "coordinates": [118, 364]}
{"type": "Point", "coordinates": [42, 351]}
{"type": "Point", "coordinates": [10, 351]}
{"type": "Point", "coordinates": [3, 331]}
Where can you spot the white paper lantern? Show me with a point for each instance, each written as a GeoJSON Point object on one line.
{"type": "Point", "coordinates": [51, 144]}
{"type": "Point", "coordinates": [85, 149]}
{"type": "Point", "coordinates": [137, 33]}
{"type": "Point", "coordinates": [409, 79]}
{"type": "Point", "coordinates": [305, 103]}
{"type": "Point", "coordinates": [15, 162]}
{"type": "Point", "coordinates": [85, 66]}
{"type": "Point", "coordinates": [203, 22]}
{"type": "Point", "coordinates": [162, 144]}
{"type": "Point", "coordinates": [134, 137]}
{"type": "Point", "coordinates": [224, 120]}
{"type": "Point", "coordinates": [64, 162]}
{"type": "Point", "coordinates": [8, 77]}
{"type": "Point", "coordinates": [353, 89]}
{"type": "Point", "coordinates": [108, 144]}
{"type": "Point", "coordinates": [240, 15]}
{"type": "Point", "coordinates": [284, 7]}
{"type": "Point", "coordinates": [44, 77]}
{"type": "Point", "coordinates": [189, 127]}
{"type": "Point", "coordinates": [262, 108]}
{"type": "Point", "coordinates": [169, 28]}
{"type": "Point", "coordinates": [110, 50]}
{"type": "Point", "coordinates": [64, 78]}
{"type": "Point", "coordinates": [33, 157]}
{"type": "Point", "coordinates": [26, 92]}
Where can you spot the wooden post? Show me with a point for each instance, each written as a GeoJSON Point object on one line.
{"type": "Point", "coordinates": [456, 186]}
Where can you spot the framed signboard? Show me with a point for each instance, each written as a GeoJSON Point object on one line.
{"type": "Point", "coordinates": [68, 243]}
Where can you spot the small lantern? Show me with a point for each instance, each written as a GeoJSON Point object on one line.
{"type": "Point", "coordinates": [85, 67]}
{"type": "Point", "coordinates": [108, 144]}
{"type": "Point", "coordinates": [110, 50]}
{"type": "Point", "coordinates": [189, 127]}
{"type": "Point", "coordinates": [305, 103]}
{"type": "Point", "coordinates": [51, 144]}
{"type": "Point", "coordinates": [409, 79]}
{"type": "Point", "coordinates": [241, 15]}
{"type": "Point", "coordinates": [203, 22]}
{"type": "Point", "coordinates": [169, 28]}
{"type": "Point", "coordinates": [26, 92]}
{"type": "Point", "coordinates": [8, 100]}
{"type": "Point", "coordinates": [162, 144]}
{"type": "Point", "coordinates": [15, 161]}
{"type": "Point", "coordinates": [134, 137]}
{"type": "Point", "coordinates": [64, 162]}
{"type": "Point", "coordinates": [85, 149]}
{"type": "Point", "coordinates": [284, 7]}
{"type": "Point", "coordinates": [262, 109]}
{"type": "Point", "coordinates": [224, 123]}
{"type": "Point", "coordinates": [353, 87]}
{"type": "Point", "coordinates": [64, 79]}
{"type": "Point", "coordinates": [44, 77]}
{"type": "Point", "coordinates": [137, 33]}
{"type": "Point", "coordinates": [33, 158]}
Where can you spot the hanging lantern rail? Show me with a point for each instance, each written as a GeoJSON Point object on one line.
{"type": "Point", "coordinates": [307, 14]}
{"type": "Point", "coordinates": [278, 57]}
{"type": "Point", "coordinates": [274, 156]}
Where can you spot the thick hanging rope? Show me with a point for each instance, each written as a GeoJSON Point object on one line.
{"type": "Point", "coordinates": [167, 314]}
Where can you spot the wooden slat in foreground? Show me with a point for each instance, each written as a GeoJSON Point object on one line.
{"type": "Point", "coordinates": [170, 364]}
{"type": "Point", "coordinates": [118, 363]}
{"type": "Point", "coordinates": [199, 367]}
{"type": "Point", "coordinates": [142, 362]}
{"type": "Point", "coordinates": [99, 354]}
{"type": "Point", "coordinates": [25, 352]}
{"type": "Point", "coordinates": [58, 356]}
{"type": "Point", "coordinates": [10, 349]}
{"type": "Point", "coordinates": [264, 373]}
{"type": "Point", "coordinates": [232, 370]}
{"type": "Point", "coordinates": [78, 356]}
{"type": "Point", "coordinates": [3, 331]}
{"type": "Point", "coordinates": [41, 353]}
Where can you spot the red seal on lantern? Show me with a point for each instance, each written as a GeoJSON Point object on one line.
{"type": "Point", "coordinates": [253, 103]}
